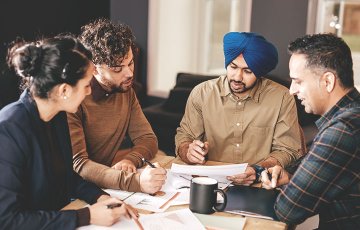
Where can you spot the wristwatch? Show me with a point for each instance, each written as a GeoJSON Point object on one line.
{"type": "Point", "coordinates": [258, 170]}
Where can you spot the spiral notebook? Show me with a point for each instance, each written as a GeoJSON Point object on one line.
{"type": "Point", "coordinates": [251, 201]}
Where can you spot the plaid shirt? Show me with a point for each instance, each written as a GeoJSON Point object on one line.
{"type": "Point", "coordinates": [327, 181]}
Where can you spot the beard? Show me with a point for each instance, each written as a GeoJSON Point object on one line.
{"type": "Point", "coordinates": [122, 88]}
{"type": "Point", "coordinates": [239, 86]}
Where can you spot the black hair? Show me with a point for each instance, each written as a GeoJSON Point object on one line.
{"type": "Point", "coordinates": [326, 51]}
{"type": "Point", "coordinates": [49, 62]}
{"type": "Point", "coordinates": [109, 42]}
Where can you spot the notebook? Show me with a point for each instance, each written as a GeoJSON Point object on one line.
{"type": "Point", "coordinates": [251, 201]}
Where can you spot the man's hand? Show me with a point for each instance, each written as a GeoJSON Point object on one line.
{"type": "Point", "coordinates": [246, 178]}
{"type": "Point", "coordinates": [197, 151]}
{"type": "Point", "coordinates": [100, 214]}
{"type": "Point", "coordinates": [152, 179]}
{"type": "Point", "coordinates": [125, 165]}
{"type": "Point", "coordinates": [279, 176]}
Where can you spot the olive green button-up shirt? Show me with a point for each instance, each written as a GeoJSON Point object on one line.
{"type": "Point", "coordinates": [263, 124]}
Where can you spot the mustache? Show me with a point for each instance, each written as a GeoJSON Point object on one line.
{"type": "Point", "coordinates": [237, 82]}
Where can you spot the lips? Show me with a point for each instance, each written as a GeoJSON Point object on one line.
{"type": "Point", "coordinates": [128, 82]}
{"type": "Point", "coordinates": [237, 85]}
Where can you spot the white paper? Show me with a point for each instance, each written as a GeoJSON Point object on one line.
{"type": "Point", "coordinates": [182, 219]}
{"type": "Point", "coordinates": [153, 203]}
{"type": "Point", "coordinates": [181, 183]}
{"type": "Point", "coordinates": [218, 172]}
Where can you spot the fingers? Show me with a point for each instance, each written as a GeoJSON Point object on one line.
{"type": "Point", "coordinates": [197, 151]}
{"type": "Point", "coordinates": [270, 183]}
{"type": "Point", "coordinates": [275, 173]}
{"type": "Point", "coordinates": [265, 178]}
{"type": "Point", "coordinates": [243, 179]}
{"type": "Point", "coordinates": [152, 179]}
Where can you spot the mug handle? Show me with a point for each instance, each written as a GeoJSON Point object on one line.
{"type": "Point", "coordinates": [221, 207]}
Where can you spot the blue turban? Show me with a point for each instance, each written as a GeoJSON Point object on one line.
{"type": "Point", "coordinates": [260, 55]}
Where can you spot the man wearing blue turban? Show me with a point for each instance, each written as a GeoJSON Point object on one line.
{"type": "Point", "coordinates": [241, 117]}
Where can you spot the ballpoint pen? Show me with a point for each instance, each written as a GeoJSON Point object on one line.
{"type": "Point", "coordinates": [148, 163]}
{"type": "Point", "coordinates": [115, 205]}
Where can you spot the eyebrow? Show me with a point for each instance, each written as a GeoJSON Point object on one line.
{"type": "Point", "coordinates": [247, 67]}
{"type": "Point", "coordinates": [121, 65]}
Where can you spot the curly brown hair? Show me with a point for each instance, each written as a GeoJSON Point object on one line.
{"type": "Point", "coordinates": [108, 41]}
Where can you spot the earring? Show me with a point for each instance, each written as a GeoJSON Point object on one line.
{"type": "Point", "coordinates": [65, 97]}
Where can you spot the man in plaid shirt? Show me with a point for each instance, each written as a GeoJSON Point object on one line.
{"type": "Point", "coordinates": [327, 180]}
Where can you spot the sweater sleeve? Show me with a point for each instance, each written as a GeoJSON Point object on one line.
{"type": "Point", "coordinates": [100, 174]}
{"type": "Point", "coordinates": [141, 134]}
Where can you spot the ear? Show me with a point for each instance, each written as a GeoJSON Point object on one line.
{"type": "Point", "coordinates": [330, 80]}
{"type": "Point", "coordinates": [64, 91]}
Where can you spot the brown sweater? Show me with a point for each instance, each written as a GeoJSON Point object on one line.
{"type": "Point", "coordinates": [97, 130]}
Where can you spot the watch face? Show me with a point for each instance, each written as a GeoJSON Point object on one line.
{"type": "Point", "coordinates": [258, 170]}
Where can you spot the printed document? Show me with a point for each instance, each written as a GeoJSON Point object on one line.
{"type": "Point", "coordinates": [182, 219]}
{"type": "Point", "coordinates": [218, 172]}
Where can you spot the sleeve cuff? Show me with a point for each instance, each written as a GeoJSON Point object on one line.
{"type": "Point", "coordinates": [83, 217]}
{"type": "Point", "coordinates": [135, 158]}
{"type": "Point", "coordinates": [135, 183]}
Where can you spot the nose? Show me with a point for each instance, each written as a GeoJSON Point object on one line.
{"type": "Point", "coordinates": [293, 89]}
{"type": "Point", "coordinates": [129, 71]}
{"type": "Point", "coordinates": [238, 76]}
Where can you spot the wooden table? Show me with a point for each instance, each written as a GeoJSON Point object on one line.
{"type": "Point", "coordinates": [166, 161]}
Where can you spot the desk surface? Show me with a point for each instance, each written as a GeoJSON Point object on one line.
{"type": "Point", "coordinates": [166, 161]}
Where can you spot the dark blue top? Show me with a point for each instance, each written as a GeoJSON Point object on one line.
{"type": "Point", "coordinates": [28, 196]}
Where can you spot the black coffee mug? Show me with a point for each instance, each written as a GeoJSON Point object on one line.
{"type": "Point", "coordinates": [203, 194]}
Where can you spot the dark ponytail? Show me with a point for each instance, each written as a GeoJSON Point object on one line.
{"type": "Point", "coordinates": [50, 62]}
{"type": "Point", "coordinates": [28, 61]}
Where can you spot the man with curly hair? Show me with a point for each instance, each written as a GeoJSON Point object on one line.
{"type": "Point", "coordinates": [104, 118]}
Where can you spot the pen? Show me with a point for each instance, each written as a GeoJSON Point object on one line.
{"type": "Point", "coordinates": [115, 205]}
{"type": "Point", "coordinates": [148, 163]}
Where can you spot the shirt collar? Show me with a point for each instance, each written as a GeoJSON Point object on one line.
{"type": "Point", "coordinates": [97, 91]}
{"type": "Point", "coordinates": [253, 94]}
{"type": "Point", "coordinates": [345, 101]}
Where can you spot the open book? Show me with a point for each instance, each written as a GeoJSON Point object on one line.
{"type": "Point", "coordinates": [251, 201]}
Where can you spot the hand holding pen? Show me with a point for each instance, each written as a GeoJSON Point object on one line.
{"type": "Point", "coordinates": [274, 177]}
{"type": "Point", "coordinates": [148, 163]}
{"type": "Point", "coordinates": [109, 211]}
{"type": "Point", "coordinates": [197, 152]}
{"type": "Point", "coordinates": [152, 178]}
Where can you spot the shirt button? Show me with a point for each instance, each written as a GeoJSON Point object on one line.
{"type": "Point", "coordinates": [239, 103]}
{"type": "Point", "coordinates": [238, 145]}
{"type": "Point", "coordinates": [237, 124]}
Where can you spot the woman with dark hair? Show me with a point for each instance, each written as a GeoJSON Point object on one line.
{"type": "Point", "coordinates": [36, 174]}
